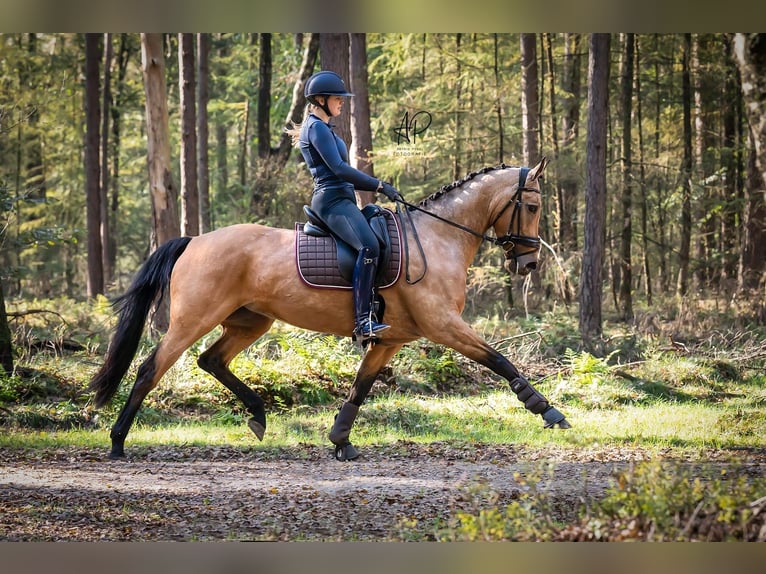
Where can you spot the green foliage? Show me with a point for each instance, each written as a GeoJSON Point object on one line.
{"type": "Point", "coordinates": [462, 80]}
{"type": "Point", "coordinates": [428, 368]}
{"type": "Point", "coordinates": [650, 501]}
{"type": "Point", "coordinates": [662, 502]}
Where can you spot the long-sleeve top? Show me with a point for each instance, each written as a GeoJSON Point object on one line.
{"type": "Point", "coordinates": [326, 156]}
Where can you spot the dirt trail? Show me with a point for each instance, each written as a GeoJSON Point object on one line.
{"type": "Point", "coordinates": [216, 493]}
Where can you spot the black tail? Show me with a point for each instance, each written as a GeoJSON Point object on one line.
{"type": "Point", "coordinates": [134, 305]}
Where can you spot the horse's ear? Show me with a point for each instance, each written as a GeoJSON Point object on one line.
{"type": "Point", "coordinates": [538, 170]}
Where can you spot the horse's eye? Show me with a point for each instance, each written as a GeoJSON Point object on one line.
{"type": "Point", "coordinates": [532, 208]}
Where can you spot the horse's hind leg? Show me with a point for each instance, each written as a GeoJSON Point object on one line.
{"type": "Point", "coordinates": [240, 329]}
{"type": "Point", "coordinates": [145, 382]}
{"type": "Point", "coordinates": [150, 372]}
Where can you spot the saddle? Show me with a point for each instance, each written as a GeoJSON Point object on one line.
{"type": "Point", "coordinates": [324, 260]}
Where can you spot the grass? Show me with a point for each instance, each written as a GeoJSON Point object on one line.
{"type": "Point", "coordinates": [709, 393]}
{"type": "Point", "coordinates": [493, 418]}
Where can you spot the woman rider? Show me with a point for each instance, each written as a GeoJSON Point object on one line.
{"type": "Point", "coordinates": [333, 199]}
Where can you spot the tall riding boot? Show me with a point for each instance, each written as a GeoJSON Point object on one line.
{"type": "Point", "coordinates": [362, 285]}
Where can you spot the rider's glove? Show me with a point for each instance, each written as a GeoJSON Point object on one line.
{"type": "Point", "coordinates": [389, 191]}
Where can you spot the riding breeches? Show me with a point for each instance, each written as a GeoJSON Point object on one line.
{"type": "Point", "coordinates": [337, 207]}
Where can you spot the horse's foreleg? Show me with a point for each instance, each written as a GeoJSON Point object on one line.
{"type": "Point", "coordinates": [239, 330]}
{"type": "Point", "coordinates": [374, 360]}
{"type": "Point", "coordinates": [464, 340]}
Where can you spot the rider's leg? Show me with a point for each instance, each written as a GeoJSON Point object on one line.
{"type": "Point", "coordinates": [362, 288]}
{"type": "Point", "coordinates": [347, 222]}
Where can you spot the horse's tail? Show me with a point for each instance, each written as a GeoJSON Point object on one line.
{"type": "Point", "coordinates": [149, 284]}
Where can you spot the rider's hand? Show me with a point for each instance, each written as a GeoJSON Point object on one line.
{"type": "Point", "coordinates": [390, 192]}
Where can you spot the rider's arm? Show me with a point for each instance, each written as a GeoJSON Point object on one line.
{"type": "Point", "coordinates": [323, 140]}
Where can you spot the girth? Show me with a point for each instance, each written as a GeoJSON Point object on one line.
{"type": "Point", "coordinates": [323, 260]}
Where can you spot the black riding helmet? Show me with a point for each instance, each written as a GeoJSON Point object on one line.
{"type": "Point", "coordinates": [324, 83]}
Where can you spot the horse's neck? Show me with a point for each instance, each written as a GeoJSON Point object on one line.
{"type": "Point", "coordinates": [469, 206]}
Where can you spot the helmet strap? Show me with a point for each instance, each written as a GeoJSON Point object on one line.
{"type": "Point", "coordinates": [324, 107]}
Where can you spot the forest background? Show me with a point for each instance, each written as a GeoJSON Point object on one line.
{"type": "Point", "coordinates": [654, 199]}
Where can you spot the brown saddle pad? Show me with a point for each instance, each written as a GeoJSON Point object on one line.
{"type": "Point", "coordinates": [317, 258]}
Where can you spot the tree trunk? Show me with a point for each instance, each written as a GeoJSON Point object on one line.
{"type": "Point", "coordinates": [728, 229]}
{"type": "Point", "coordinates": [595, 193]}
{"type": "Point", "coordinates": [35, 186]}
{"type": "Point", "coordinates": [686, 174]}
{"type": "Point", "coordinates": [361, 135]}
{"type": "Point", "coordinates": [203, 137]}
{"type": "Point", "coordinates": [569, 174]}
{"type": "Point", "coordinates": [6, 340]}
{"type": "Point", "coordinates": [124, 56]}
{"type": "Point", "coordinates": [642, 182]}
{"type": "Point", "coordinates": [498, 101]}
{"type": "Point", "coordinates": [750, 55]}
{"type": "Point", "coordinates": [701, 217]}
{"type": "Point", "coordinates": [661, 215]}
{"type": "Point", "coordinates": [93, 193]}
{"type": "Point", "coordinates": [334, 56]}
{"type": "Point", "coordinates": [221, 131]}
{"type": "Point", "coordinates": [187, 91]}
{"type": "Point", "coordinates": [295, 115]}
{"type": "Point", "coordinates": [457, 169]}
{"type": "Point", "coordinates": [106, 235]}
{"type": "Point", "coordinates": [530, 99]}
{"type": "Point", "coordinates": [264, 98]}
{"type": "Point", "coordinates": [551, 75]}
{"type": "Point", "coordinates": [626, 270]}
{"type": "Point", "coordinates": [164, 192]}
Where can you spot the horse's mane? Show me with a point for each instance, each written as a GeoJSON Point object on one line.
{"type": "Point", "coordinates": [460, 182]}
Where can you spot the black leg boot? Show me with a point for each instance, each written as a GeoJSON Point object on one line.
{"type": "Point", "coordinates": [362, 285]}
{"type": "Point", "coordinates": [340, 431]}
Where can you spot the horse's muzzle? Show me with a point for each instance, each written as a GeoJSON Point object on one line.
{"type": "Point", "coordinates": [523, 264]}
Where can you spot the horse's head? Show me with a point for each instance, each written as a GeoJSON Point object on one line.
{"type": "Point", "coordinates": [517, 226]}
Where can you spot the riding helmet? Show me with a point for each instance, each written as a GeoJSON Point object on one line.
{"type": "Point", "coordinates": [325, 83]}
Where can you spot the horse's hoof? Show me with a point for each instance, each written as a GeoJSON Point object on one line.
{"type": "Point", "coordinates": [117, 455]}
{"type": "Point", "coordinates": [258, 429]}
{"type": "Point", "coordinates": [346, 452]}
{"type": "Point", "coordinates": [562, 424]}
{"type": "Point", "coordinates": [553, 418]}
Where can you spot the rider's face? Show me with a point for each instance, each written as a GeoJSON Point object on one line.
{"type": "Point", "coordinates": [335, 105]}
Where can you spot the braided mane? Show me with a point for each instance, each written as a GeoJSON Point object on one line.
{"type": "Point", "coordinates": [460, 182]}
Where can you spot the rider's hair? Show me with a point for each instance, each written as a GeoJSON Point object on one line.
{"type": "Point", "coordinates": [294, 130]}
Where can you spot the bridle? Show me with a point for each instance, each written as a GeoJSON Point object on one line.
{"type": "Point", "coordinates": [510, 240]}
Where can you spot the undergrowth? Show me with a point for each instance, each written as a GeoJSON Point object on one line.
{"type": "Point", "coordinates": [649, 501]}
{"type": "Point", "coordinates": [60, 343]}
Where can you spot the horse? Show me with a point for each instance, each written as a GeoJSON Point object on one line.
{"type": "Point", "coordinates": [241, 278]}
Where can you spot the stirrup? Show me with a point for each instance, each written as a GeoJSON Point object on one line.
{"type": "Point", "coordinates": [368, 329]}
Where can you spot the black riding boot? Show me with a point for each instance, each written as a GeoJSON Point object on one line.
{"type": "Point", "coordinates": [362, 283]}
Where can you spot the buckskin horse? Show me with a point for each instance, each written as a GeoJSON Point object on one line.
{"type": "Point", "coordinates": [242, 278]}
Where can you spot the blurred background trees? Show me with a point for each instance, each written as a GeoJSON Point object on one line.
{"type": "Point", "coordinates": [111, 143]}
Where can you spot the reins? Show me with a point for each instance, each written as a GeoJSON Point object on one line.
{"type": "Point", "coordinates": [508, 238]}
{"type": "Point", "coordinates": [400, 213]}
